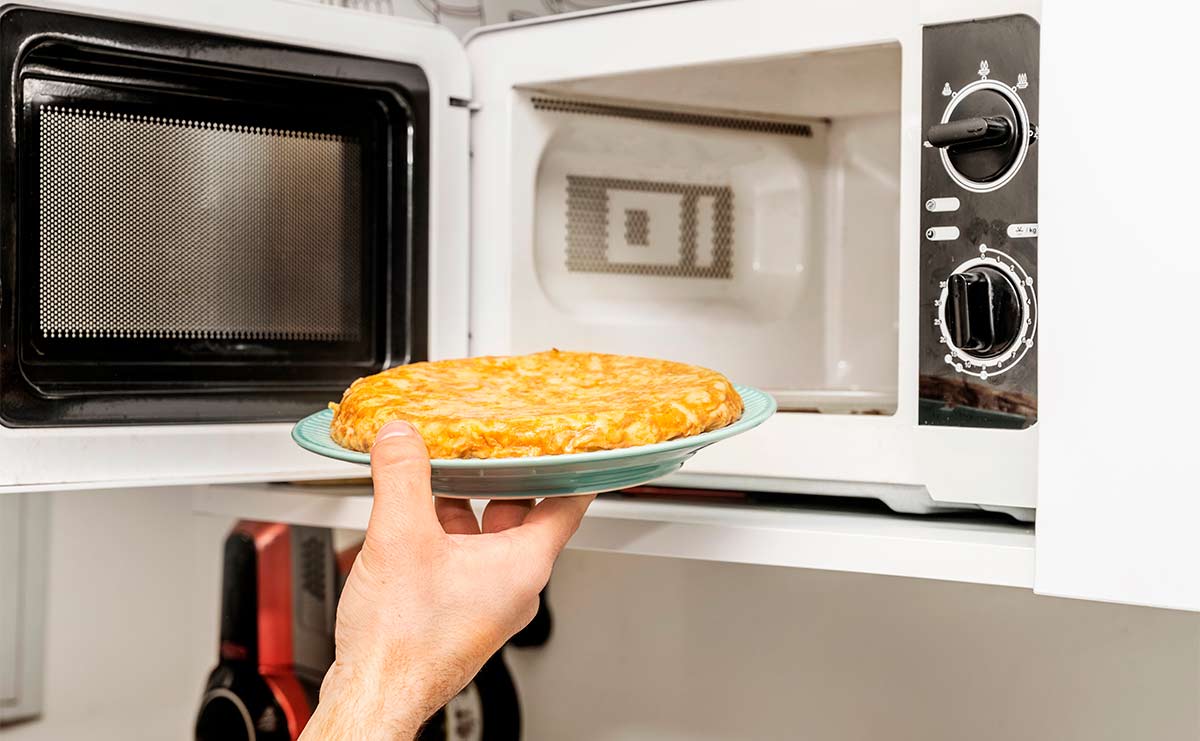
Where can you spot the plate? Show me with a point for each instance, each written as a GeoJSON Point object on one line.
{"type": "Point", "coordinates": [551, 475]}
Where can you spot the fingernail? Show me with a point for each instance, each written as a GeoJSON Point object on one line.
{"type": "Point", "coordinates": [395, 429]}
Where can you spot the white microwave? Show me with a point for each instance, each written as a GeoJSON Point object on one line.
{"type": "Point", "coordinates": [773, 213]}
{"type": "Point", "coordinates": [839, 203]}
{"type": "Point", "coordinates": [226, 227]}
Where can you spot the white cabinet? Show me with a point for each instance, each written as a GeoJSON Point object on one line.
{"type": "Point", "coordinates": [1118, 493]}
{"type": "Point", "coordinates": [10, 597]}
{"type": "Point", "coordinates": [23, 552]}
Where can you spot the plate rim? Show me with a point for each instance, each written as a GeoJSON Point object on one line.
{"type": "Point", "coordinates": [701, 440]}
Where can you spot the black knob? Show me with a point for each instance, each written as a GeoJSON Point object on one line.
{"type": "Point", "coordinates": [982, 137]}
{"type": "Point", "coordinates": [970, 134]}
{"type": "Point", "coordinates": [983, 311]}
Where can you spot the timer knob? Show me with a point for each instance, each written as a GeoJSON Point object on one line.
{"type": "Point", "coordinates": [983, 311]}
{"type": "Point", "coordinates": [983, 136]}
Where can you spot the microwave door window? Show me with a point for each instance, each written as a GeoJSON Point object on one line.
{"type": "Point", "coordinates": [205, 228]}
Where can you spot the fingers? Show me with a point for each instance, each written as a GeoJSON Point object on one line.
{"type": "Point", "coordinates": [550, 524]}
{"type": "Point", "coordinates": [400, 474]}
{"type": "Point", "coordinates": [456, 516]}
{"type": "Point", "coordinates": [502, 514]}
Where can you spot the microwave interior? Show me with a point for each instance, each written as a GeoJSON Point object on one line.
{"type": "Point", "coordinates": [741, 216]}
{"type": "Point", "coordinates": [199, 228]}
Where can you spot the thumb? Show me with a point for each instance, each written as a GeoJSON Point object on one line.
{"type": "Point", "coordinates": [400, 475]}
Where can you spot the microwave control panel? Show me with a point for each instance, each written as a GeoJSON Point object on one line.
{"type": "Point", "coordinates": [979, 227]}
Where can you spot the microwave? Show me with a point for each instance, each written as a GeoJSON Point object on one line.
{"type": "Point", "coordinates": [219, 215]}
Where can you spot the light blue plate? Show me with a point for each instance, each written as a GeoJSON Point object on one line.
{"type": "Point", "coordinates": [551, 475]}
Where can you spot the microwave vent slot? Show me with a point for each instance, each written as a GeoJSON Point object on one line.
{"type": "Point", "coordinates": [694, 223]}
{"type": "Point", "coordinates": [184, 229]}
{"type": "Point", "coordinates": [682, 118]}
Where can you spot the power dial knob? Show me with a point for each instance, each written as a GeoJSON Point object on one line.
{"type": "Point", "coordinates": [983, 311]}
{"type": "Point", "coordinates": [984, 135]}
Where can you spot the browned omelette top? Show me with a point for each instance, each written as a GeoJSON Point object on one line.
{"type": "Point", "coordinates": [542, 404]}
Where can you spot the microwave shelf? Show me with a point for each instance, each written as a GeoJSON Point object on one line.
{"type": "Point", "coordinates": [835, 537]}
{"type": "Point", "coordinates": [835, 401]}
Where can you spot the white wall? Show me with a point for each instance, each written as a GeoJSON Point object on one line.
{"type": "Point", "coordinates": [647, 648]}
{"type": "Point", "coordinates": [132, 610]}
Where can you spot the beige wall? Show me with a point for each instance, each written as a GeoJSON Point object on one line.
{"type": "Point", "coordinates": [667, 649]}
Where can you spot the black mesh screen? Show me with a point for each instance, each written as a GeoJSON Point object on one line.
{"type": "Point", "coordinates": [158, 227]}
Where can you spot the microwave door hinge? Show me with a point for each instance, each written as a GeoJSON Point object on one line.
{"type": "Point", "coordinates": [470, 105]}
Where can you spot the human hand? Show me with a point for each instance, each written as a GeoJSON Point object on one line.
{"type": "Point", "coordinates": [432, 595]}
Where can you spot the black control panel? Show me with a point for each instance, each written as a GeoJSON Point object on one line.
{"type": "Point", "coordinates": [978, 363]}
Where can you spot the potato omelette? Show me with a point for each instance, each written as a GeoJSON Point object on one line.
{"type": "Point", "coordinates": [547, 403]}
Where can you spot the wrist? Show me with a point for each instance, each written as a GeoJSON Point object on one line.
{"type": "Point", "coordinates": [362, 706]}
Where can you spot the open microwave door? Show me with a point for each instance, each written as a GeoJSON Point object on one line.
{"type": "Point", "coordinates": [170, 385]}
